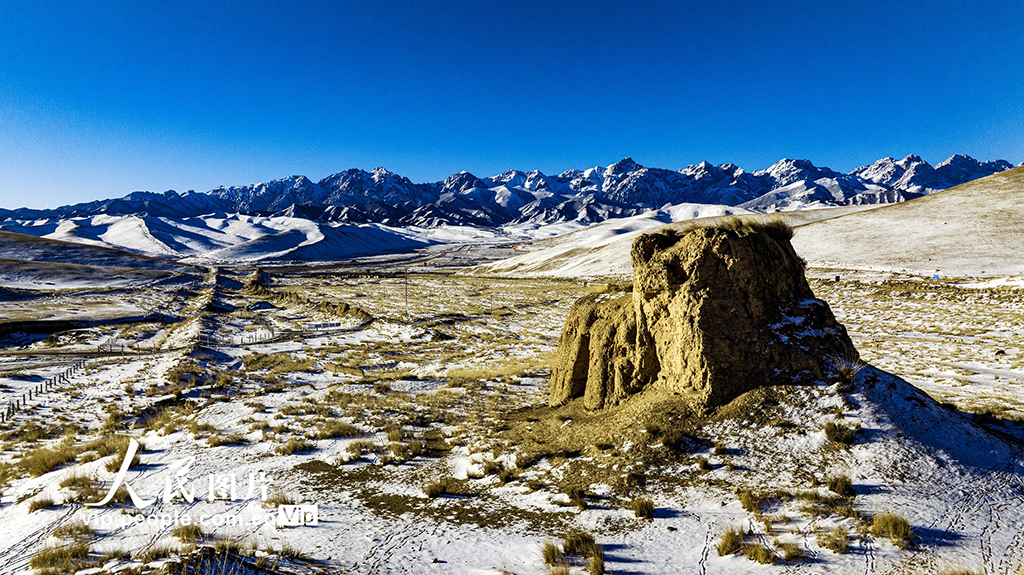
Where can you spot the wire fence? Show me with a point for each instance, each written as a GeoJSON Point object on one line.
{"type": "Point", "coordinates": [8, 412]}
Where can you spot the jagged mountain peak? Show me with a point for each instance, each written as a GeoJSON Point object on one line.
{"type": "Point", "coordinates": [911, 159]}
{"type": "Point", "coordinates": [704, 169]}
{"type": "Point", "coordinates": [379, 173]}
{"type": "Point", "coordinates": [700, 170]}
{"type": "Point", "coordinates": [296, 180]}
{"type": "Point", "coordinates": [516, 196]}
{"type": "Point", "coordinates": [509, 177]}
{"type": "Point", "coordinates": [732, 169]}
{"type": "Point", "coordinates": [790, 170]}
{"type": "Point", "coordinates": [622, 166]}
{"type": "Point", "coordinates": [788, 165]}
{"type": "Point", "coordinates": [461, 182]}
{"type": "Point", "coordinates": [958, 160]}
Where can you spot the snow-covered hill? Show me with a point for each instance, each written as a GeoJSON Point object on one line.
{"type": "Point", "coordinates": [25, 247]}
{"type": "Point", "coordinates": [226, 238]}
{"type": "Point", "coordinates": [237, 238]}
{"type": "Point", "coordinates": [973, 229]}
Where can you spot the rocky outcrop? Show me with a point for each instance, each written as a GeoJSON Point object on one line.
{"type": "Point", "coordinates": [714, 312]}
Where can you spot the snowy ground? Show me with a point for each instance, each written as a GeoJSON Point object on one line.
{"type": "Point", "coordinates": [446, 381]}
{"type": "Point", "coordinates": [962, 341]}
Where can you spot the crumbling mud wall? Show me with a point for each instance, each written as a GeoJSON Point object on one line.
{"type": "Point", "coordinates": [714, 312]}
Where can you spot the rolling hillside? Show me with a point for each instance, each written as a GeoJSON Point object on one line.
{"type": "Point", "coordinates": [19, 246]}
{"type": "Point", "coordinates": [973, 229]}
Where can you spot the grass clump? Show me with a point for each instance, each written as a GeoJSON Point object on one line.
{"type": "Point", "coordinates": [43, 503]}
{"type": "Point", "coordinates": [42, 460]}
{"type": "Point", "coordinates": [395, 433]}
{"type": "Point", "coordinates": [576, 543]}
{"type": "Point", "coordinates": [836, 540]}
{"type": "Point", "coordinates": [435, 489]}
{"type": "Point", "coordinates": [279, 498]}
{"type": "Point", "coordinates": [581, 543]}
{"type": "Point", "coordinates": [840, 485]}
{"type": "Point", "coordinates": [775, 227]}
{"type": "Point", "coordinates": [356, 448]}
{"type": "Point", "coordinates": [114, 555]}
{"type": "Point", "coordinates": [223, 546]}
{"type": "Point", "coordinates": [110, 444]}
{"type": "Point", "coordinates": [643, 508]}
{"type": "Point", "coordinates": [61, 559]}
{"type": "Point", "coordinates": [751, 501]}
{"type": "Point", "coordinates": [759, 553]}
{"type": "Point", "coordinates": [197, 429]}
{"type": "Point", "coordinates": [76, 481]}
{"type": "Point", "coordinates": [895, 528]}
{"type": "Point", "coordinates": [84, 487]}
{"type": "Point", "coordinates": [188, 533]}
{"type": "Point", "coordinates": [551, 553]}
{"type": "Point", "coordinates": [111, 447]}
{"type": "Point", "coordinates": [293, 553]}
{"type": "Point", "coordinates": [79, 530]}
{"type": "Point", "coordinates": [791, 552]}
{"type": "Point", "coordinates": [415, 448]}
{"type": "Point", "coordinates": [260, 425]}
{"type": "Point", "coordinates": [276, 363]}
{"type": "Point", "coordinates": [218, 439]}
{"type": "Point", "coordinates": [155, 553]}
{"type": "Point", "coordinates": [333, 429]}
{"type": "Point", "coordinates": [846, 372]}
{"type": "Point", "coordinates": [7, 473]}
{"type": "Point", "coordinates": [577, 497]}
{"type": "Point", "coordinates": [730, 542]}
{"type": "Point", "coordinates": [839, 433]}
{"type": "Point", "coordinates": [294, 445]}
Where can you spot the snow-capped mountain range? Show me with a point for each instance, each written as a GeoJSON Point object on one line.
{"type": "Point", "coordinates": [622, 189]}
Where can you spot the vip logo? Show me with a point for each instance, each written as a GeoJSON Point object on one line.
{"type": "Point", "coordinates": [297, 515]}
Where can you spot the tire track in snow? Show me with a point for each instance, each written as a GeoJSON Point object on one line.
{"type": "Point", "coordinates": [869, 555]}
{"type": "Point", "coordinates": [1014, 546]}
{"type": "Point", "coordinates": [707, 549]}
{"type": "Point", "coordinates": [17, 556]}
{"type": "Point", "coordinates": [383, 551]}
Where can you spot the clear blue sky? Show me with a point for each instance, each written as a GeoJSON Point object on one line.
{"type": "Point", "coordinates": [100, 99]}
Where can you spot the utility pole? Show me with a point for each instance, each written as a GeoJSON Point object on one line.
{"type": "Point", "coordinates": [407, 295]}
